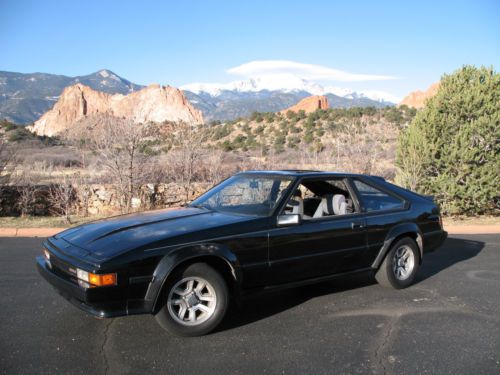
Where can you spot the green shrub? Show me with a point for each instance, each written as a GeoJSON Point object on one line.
{"type": "Point", "coordinates": [293, 141]}
{"type": "Point", "coordinates": [280, 140]}
{"type": "Point", "coordinates": [451, 149]}
{"type": "Point", "coordinates": [221, 131]}
{"type": "Point", "coordinates": [259, 129]}
{"type": "Point", "coordinates": [18, 134]}
{"type": "Point", "coordinates": [308, 137]}
{"type": "Point", "coordinates": [7, 125]}
{"type": "Point", "coordinates": [301, 115]}
{"type": "Point", "coordinates": [227, 146]}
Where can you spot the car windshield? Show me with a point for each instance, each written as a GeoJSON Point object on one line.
{"type": "Point", "coordinates": [245, 194]}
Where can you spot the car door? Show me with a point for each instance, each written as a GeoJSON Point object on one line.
{"type": "Point", "coordinates": [316, 247]}
{"type": "Point", "coordinates": [382, 210]}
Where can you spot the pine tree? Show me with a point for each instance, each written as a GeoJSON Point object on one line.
{"type": "Point", "coordinates": [452, 147]}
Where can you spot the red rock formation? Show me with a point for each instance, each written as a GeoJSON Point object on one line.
{"type": "Point", "coordinates": [309, 104]}
{"type": "Point", "coordinates": [154, 103]}
{"type": "Point", "coordinates": [417, 99]}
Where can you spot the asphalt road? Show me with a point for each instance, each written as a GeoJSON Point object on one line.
{"type": "Point", "coordinates": [448, 322]}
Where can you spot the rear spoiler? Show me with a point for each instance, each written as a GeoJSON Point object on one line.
{"type": "Point", "coordinates": [378, 178]}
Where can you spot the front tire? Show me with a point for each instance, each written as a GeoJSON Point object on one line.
{"type": "Point", "coordinates": [195, 301]}
{"type": "Point", "coordinates": [400, 265]}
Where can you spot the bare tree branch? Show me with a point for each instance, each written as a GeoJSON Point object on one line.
{"type": "Point", "coordinates": [117, 143]}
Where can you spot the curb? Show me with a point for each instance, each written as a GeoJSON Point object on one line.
{"type": "Point", "coordinates": [47, 232]}
{"type": "Point", "coordinates": [29, 232]}
{"type": "Point", "coordinates": [473, 229]}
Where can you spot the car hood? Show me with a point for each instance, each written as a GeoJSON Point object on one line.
{"type": "Point", "coordinates": [104, 239]}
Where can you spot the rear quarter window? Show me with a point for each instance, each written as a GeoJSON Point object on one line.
{"type": "Point", "coordinates": [374, 199]}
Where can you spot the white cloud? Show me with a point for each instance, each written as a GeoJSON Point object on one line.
{"type": "Point", "coordinates": [306, 71]}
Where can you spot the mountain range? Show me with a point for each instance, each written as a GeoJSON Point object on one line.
{"type": "Point", "coordinates": [24, 98]}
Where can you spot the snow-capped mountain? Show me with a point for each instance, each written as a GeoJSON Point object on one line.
{"type": "Point", "coordinates": [287, 83]}
{"type": "Point", "coordinates": [379, 96]}
{"type": "Point", "coordinates": [278, 82]}
{"type": "Point", "coordinates": [26, 97]}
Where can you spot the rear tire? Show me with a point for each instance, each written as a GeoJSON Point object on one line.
{"type": "Point", "coordinates": [400, 265]}
{"type": "Point", "coordinates": [195, 301]}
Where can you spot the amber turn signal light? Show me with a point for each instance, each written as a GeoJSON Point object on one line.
{"type": "Point", "coordinates": [102, 280]}
{"type": "Point", "coordinates": [97, 280]}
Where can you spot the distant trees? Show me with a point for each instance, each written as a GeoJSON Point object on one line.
{"type": "Point", "coordinates": [7, 161]}
{"type": "Point", "coordinates": [186, 154]}
{"type": "Point", "coordinates": [62, 196]}
{"type": "Point", "coordinates": [28, 184]}
{"type": "Point", "coordinates": [118, 143]}
{"type": "Point", "coordinates": [452, 149]}
{"type": "Point", "coordinates": [102, 149]}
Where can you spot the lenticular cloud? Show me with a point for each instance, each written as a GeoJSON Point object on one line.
{"type": "Point", "coordinates": [306, 71]}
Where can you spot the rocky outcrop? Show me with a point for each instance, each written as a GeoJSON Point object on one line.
{"type": "Point", "coordinates": [417, 99]}
{"type": "Point", "coordinates": [309, 104]}
{"type": "Point", "coordinates": [154, 103]}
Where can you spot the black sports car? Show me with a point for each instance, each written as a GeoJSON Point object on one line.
{"type": "Point", "coordinates": [254, 231]}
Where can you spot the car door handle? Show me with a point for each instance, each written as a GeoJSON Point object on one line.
{"type": "Point", "coordinates": [357, 225]}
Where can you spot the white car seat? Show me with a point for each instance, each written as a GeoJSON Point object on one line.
{"type": "Point", "coordinates": [331, 205]}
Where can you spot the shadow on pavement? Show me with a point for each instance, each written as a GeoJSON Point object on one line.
{"type": "Point", "coordinates": [261, 306]}
{"type": "Point", "coordinates": [453, 251]}
{"type": "Point", "coordinates": [264, 305]}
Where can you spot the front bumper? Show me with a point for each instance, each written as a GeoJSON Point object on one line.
{"type": "Point", "coordinates": [96, 301]}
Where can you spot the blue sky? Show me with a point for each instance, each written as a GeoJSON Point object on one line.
{"type": "Point", "coordinates": [177, 42]}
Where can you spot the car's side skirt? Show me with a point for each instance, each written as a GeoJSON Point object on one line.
{"type": "Point", "coordinates": [315, 280]}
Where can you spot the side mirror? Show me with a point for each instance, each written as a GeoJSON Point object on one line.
{"type": "Point", "coordinates": [286, 220]}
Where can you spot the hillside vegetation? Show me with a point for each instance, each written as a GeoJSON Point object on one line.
{"type": "Point", "coordinates": [316, 131]}
{"type": "Point", "coordinates": [361, 140]}
{"type": "Point", "coordinates": [102, 149]}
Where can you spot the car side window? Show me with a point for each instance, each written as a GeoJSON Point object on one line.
{"type": "Point", "coordinates": [317, 198]}
{"type": "Point", "coordinates": [375, 199]}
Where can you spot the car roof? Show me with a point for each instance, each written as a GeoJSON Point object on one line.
{"type": "Point", "coordinates": [302, 173]}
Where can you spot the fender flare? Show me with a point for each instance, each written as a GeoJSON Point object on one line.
{"type": "Point", "coordinates": [395, 232]}
{"type": "Point", "coordinates": [171, 260]}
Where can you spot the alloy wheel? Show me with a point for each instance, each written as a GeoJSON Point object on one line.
{"type": "Point", "coordinates": [403, 262]}
{"type": "Point", "coordinates": [192, 301]}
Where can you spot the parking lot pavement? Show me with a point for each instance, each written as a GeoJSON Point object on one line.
{"type": "Point", "coordinates": [448, 322]}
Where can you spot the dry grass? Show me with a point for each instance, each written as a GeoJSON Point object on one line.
{"type": "Point", "coordinates": [43, 221]}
